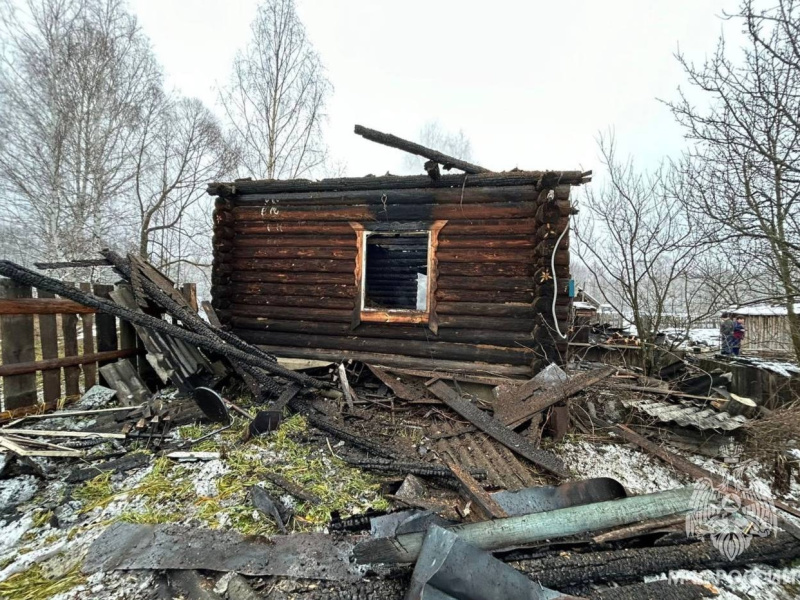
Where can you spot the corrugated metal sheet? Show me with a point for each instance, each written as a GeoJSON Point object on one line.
{"type": "Point", "coordinates": [686, 414]}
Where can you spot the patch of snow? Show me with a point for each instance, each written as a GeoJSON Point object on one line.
{"type": "Point", "coordinates": [17, 490]}
{"type": "Point", "coordinates": [786, 369]}
{"type": "Point", "coordinates": [759, 582]}
{"type": "Point", "coordinates": [12, 531]}
{"type": "Point", "coordinates": [205, 478]}
{"type": "Point", "coordinates": [637, 471]}
{"type": "Point", "coordinates": [24, 562]}
{"type": "Point", "coordinates": [761, 310]}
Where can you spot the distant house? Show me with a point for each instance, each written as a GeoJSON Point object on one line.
{"type": "Point", "coordinates": [766, 329]}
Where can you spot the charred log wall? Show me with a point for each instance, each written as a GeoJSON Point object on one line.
{"type": "Point", "coordinates": [284, 273]}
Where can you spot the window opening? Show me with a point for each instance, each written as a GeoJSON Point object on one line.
{"type": "Point", "coordinates": [396, 271]}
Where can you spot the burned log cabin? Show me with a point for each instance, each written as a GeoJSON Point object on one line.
{"type": "Point", "coordinates": [458, 272]}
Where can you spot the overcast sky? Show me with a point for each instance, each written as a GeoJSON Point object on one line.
{"type": "Point", "coordinates": [531, 83]}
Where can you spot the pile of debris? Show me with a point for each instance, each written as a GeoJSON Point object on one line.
{"type": "Point", "coordinates": [244, 478]}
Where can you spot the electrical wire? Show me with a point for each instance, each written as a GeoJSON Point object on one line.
{"type": "Point", "coordinates": [555, 281]}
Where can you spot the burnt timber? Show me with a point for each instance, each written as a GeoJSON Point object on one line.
{"type": "Point", "coordinates": [287, 274]}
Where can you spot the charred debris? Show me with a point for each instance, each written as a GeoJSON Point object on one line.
{"type": "Point", "coordinates": [213, 469]}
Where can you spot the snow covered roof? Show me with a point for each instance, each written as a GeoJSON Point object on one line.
{"type": "Point", "coordinates": [761, 310]}
{"type": "Point", "coordinates": [584, 305]}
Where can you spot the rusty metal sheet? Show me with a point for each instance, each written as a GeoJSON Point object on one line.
{"type": "Point", "coordinates": [575, 493]}
{"type": "Point", "coordinates": [126, 546]}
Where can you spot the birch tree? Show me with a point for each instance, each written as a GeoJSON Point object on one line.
{"type": "Point", "coordinates": [73, 76]}
{"type": "Point", "coordinates": [275, 100]}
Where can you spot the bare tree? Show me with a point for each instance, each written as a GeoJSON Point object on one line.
{"type": "Point", "coordinates": [276, 97]}
{"type": "Point", "coordinates": [181, 148]}
{"type": "Point", "coordinates": [73, 76]}
{"type": "Point", "coordinates": [743, 168]}
{"type": "Point", "coordinates": [433, 135]}
{"type": "Point", "coordinates": [641, 251]}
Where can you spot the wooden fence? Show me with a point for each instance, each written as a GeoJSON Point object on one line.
{"type": "Point", "coordinates": [52, 347]}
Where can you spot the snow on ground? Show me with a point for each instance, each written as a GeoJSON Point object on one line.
{"type": "Point", "coordinates": [640, 473]}
{"type": "Point", "coordinates": [786, 369]}
{"type": "Point", "coordinates": [636, 470]}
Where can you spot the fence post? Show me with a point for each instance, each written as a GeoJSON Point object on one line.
{"type": "Point", "coordinates": [87, 323]}
{"type": "Point", "coordinates": [48, 336]}
{"type": "Point", "coordinates": [16, 332]}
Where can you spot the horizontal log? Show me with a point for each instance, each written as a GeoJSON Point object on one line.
{"type": "Point", "coordinates": [487, 269]}
{"type": "Point", "coordinates": [442, 350]}
{"type": "Point", "coordinates": [471, 255]}
{"type": "Point", "coordinates": [42, 306]}
{"type": "Point", "coordinates": [405, 362]}
{"type": "Point", "coordinates": [277, 289]}
{"type": "Point", "coordinates": [476, 195]}
{"type": "Point", "coordinates": [390, 331]}
{"type": "Point", "coordinates": [67, 361]}
{"type": "Point", "coordinates": [293, 265]}
{"type": "Point", "coordinates": [496, 323]}
{"type": "Point", "coordinates": [328, 228]}
{"type": "Point", "coordinates": [478, 309]}
{"type": "Point", "coordinates": [329, 315]}
{"type": "Point", "coordinates": [475, 227]}
{"type": "Point", "coordinates": [499, 296]}
{"type": "Point", "coordinates": [300, 301]}
{"type": "Point", "coordinates": [388, 212]}
{"type": "Point", "coordinates": [486, 241]}
{"type": "Point", "coordinates": [302, 278]}
{"type": "Point", "coordinates": [516, 284]}
{"type": "Point", "coordinates": [293, 252]}
{"type": "Point", "coordinates": [299, 241]}
{"type": "Point", "coordinates": [396, 182]}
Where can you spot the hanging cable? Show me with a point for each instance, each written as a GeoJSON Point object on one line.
{"type": "Point", "coordinates": [555, 280]}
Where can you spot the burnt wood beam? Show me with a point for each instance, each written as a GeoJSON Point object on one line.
{"type": "Point", "coordinates": [71, 264]}
{"type": "Point", "coordinates": [396, 182]}
{"type": "Point", "coordinates": [448, 162]}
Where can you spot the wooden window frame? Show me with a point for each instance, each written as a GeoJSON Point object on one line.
{"type": "Point", "coordinates": [361, 314]}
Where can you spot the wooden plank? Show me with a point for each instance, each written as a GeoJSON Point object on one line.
{"type": "Point", "coordinates": [122, 376]}
{"type": "Point", "coordinates": [43, 305]}
{"type": "Point", "coordinates": [87, 325]}
{"type": "Point", "coordinates": [189, 291]}
{"type": "Point", "coordinates": [16, 333]}
{"type": "Point", "coordinates": [539, 401]}
{"type": "Point", "coordinates": [349, 393]}
{"type": "Point", "coordinates": [48, 338]}
{"type": "Point", "coordinates": [68, 362]}
{"type": "Point", "coordinates": [72, 372]}
{"type": "Point", "coordinates": [397, 361]}
{"type": "Point", "coordinates": [494, 428]}
{"type": "Point", "coordinates": [486, 505]}
{"type": "Point", "coordinates": [19, 450]}
{"type": "Point", "coordinates": [60, 433]}
{"type": "Point", "coordinates": [106, 324]}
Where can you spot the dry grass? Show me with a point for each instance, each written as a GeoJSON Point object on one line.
{"type": "Point", "coordinates": [776, 433]}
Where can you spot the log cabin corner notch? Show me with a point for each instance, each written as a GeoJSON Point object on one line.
{"type": "Point", "coordinates": [453, 273]}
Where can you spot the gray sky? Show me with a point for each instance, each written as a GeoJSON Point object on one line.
{"type": "Point", "coordinates": [531, 83]}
